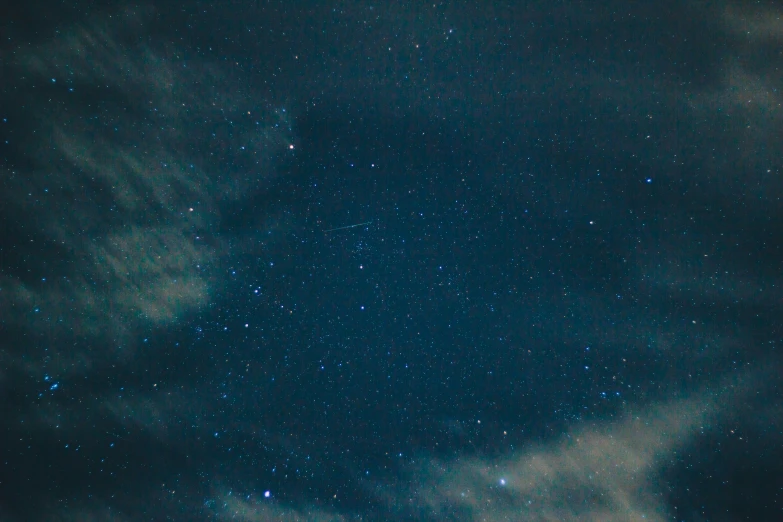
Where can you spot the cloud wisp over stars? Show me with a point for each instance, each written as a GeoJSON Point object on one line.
{"type": "Point", "coordinates": [560, 304]}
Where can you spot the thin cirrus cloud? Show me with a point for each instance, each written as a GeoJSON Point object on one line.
{"type": "Point", "coordinates": [609, 470]}
{"type": "Point", "coordinates": [605, 470]}
{"type": "Point", "coordinates": [123, 185]}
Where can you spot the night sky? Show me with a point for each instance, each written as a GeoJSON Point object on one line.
{"type": "Point", "coordinates": [339, 261]}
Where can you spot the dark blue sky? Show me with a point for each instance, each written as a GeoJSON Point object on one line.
{"type": "Point", "coordinates": [561, 300]}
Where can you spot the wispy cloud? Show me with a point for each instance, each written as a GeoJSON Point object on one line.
{"type": "Point", "coordinates": [124, 187]}
{"type": "Point", "coordinates": [607, 470]}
